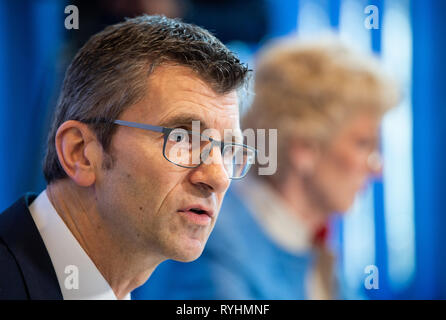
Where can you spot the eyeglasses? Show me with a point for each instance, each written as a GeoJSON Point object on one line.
{"type": "Point", "coordinates": [189, 149]}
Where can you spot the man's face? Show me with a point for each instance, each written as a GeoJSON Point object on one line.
{"type": "Point", "coordinates": [146, 199]}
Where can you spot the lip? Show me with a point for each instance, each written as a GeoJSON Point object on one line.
{"type": "Point", "coordinates": [196, 218]}
{"type": "Point", "coordinates": [206, 210]}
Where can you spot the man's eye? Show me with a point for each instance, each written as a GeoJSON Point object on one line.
{"type": "Point", "coordinates": [178, 136]}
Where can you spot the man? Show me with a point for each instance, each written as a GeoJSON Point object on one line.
{"type": "Point", "coordinates": [326, 102]}
{"type": "Point", "coordinates": [125, 191]}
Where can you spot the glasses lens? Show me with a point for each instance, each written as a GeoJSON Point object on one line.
{"type": "Point", "coordinates": [187, 150]}
{"type": "Point", "coordinates": [237, 160]}
{"type": "Point", "coordinates": [179, 148]}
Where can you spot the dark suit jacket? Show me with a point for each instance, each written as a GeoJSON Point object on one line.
{"type": "Point", "coordinates": [26, 270]}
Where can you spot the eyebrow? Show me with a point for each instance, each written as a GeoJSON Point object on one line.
{"type": "Point", "coordinates": [186, 120]}
{"type": "Point", "coordinates": [183, 120]}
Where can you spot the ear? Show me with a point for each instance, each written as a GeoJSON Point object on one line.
{"type": "Point", "coordinates": [77, 150]}
{"type": "Point", "coordinates": [303, 156]}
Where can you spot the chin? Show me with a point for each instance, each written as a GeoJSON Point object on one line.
{"type": "Point", "coordinates": [340, 205]}
{"type": "Point", "coordinates": [345, 206]}
{"type": "Point", "coordinates": [188, 251]}
{"type": "Point", "coordinates": [187, 257]}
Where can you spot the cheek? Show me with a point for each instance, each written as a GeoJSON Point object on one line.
{"type": "Point", "coordinates": [350, 164]}
{"type": "Point", "coordinates": [356, 174]}
{"type": "Point", "coordinates": [339, 176]}
{"type": "Point", "coordinates": [143, 162]}
{"type": "Point", "coordinates": [140, 178]}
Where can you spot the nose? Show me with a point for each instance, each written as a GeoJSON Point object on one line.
{"type": "Point", "coordinates": [211, 174]}
{"type": "Point", "coordinates": [374, 163]}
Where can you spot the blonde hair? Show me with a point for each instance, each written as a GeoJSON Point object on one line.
{"type": "Point", "coordinates": [307, 90]}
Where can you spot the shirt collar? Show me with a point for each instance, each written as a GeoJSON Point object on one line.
{"type": "Point", "coordinates": [69, 259]}
{"type": "Point", "coordinates": [279, 221]}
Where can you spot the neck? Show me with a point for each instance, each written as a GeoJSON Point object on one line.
{"type": "Point", "coordinates": [304, 204]}
{"type": "Point", "coordinates": [123, 265]}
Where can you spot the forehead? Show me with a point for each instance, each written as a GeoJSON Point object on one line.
{"type": "Point", "coordinates": [176, 92]}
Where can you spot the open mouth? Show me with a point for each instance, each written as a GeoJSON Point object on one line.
{"type": "Point", "coordinates": [197, 214]}
{"type": "Point", "coordinates": [198, 211]}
